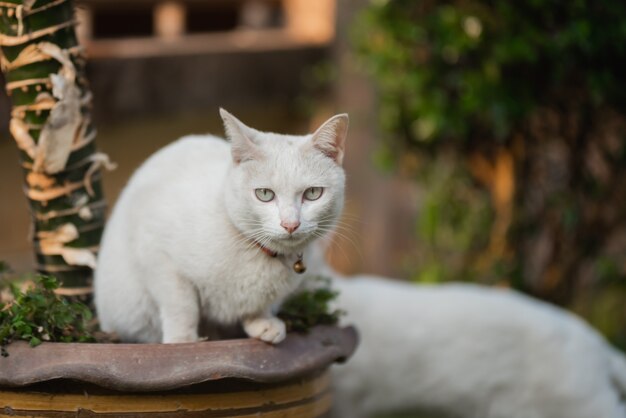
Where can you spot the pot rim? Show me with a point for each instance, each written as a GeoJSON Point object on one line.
{"type": "Point", "coordinates": [158, 367]}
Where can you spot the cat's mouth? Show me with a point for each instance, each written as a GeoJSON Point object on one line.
{"type": "Point", "coordinates": [294, 239]}
{"type": "Point", "coordinates": [290, 243]}
{"type": "Point", "coordinates": [283, 243]}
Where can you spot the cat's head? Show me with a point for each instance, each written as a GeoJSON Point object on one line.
{"type": "Point", "coordinates": [283, 191]}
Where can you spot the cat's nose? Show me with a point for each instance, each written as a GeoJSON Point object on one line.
{"type": "Point", "coordinates": [290, 226]}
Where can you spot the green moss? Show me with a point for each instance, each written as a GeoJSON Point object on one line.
{"type": "Point", "coordinates": [310, 307]}
{"type": "Point", "coordinates": [34, 313]}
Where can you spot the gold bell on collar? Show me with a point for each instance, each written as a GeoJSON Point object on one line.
{"type": "Point", "coordinates": [299, 266]}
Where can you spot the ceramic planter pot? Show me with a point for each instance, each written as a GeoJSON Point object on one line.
{"type": "Point", "coordinates": [231, 378]}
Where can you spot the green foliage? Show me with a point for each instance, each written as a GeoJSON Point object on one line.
{"type": "Point", "coordinates": [37, 314]}
{"type": "Point", "coordinates": [310, 307]}
{"type": "Point", "coordinates": [462, 71]}
{"type": "Point", "coordinates": [526, 102]}
{"type": "Point", "coordinates": [453, 223]}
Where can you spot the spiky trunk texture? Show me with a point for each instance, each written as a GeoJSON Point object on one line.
{"type": "Point", "coordinates": [43, 66]}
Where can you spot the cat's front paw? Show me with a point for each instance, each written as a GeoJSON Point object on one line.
{"type": "Point", "coordinates": [271, 330]}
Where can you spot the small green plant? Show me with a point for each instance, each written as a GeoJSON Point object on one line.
{"type": "Point", "coordinates": [35, 313]}
{"type": "Point", "coordinates": [310, 307]}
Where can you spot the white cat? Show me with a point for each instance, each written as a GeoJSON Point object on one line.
{"type": "Point", "coordinates": [473, 352]}
{"type": "Point", "coordinates": [209, 232]}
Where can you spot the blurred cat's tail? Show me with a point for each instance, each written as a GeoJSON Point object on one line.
{"type": "Point", "coordinates": [618, 369]}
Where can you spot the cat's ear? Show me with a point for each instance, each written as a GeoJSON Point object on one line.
{"type": "Point", "coordinates": [330, 138]}
{"type": "Point", "coordinates": [242, 147]}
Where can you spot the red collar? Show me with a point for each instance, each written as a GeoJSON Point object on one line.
{"type": "Point", "coordinates": [266, 250]}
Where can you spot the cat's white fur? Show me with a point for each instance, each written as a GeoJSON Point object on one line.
{"type": "Point", "coordinates": [179, 248]}
{"type": "Point", "coordinates": [472, 352]}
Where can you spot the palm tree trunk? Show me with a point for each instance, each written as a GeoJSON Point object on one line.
{"type": "Point", "coordinates": [43, 66]}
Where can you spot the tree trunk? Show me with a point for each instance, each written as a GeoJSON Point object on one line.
{"type": "Point", "coordinates": [50, 120]}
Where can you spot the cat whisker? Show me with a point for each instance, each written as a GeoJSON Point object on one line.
{"type": "Point", "coordinates": [352, 218]}
{"type": "Point", "coordinates": [337, 222]}
{"type": "Point", "coordinates": [249, 241]}
{"type": "Point", "coordinates": [336, 233]}
{"type": "Point", "coordinates": [339, 225]}
{"type": "Point", "coordinates": [348, 231]}
{"type": "Point", "coordinates": [334, 243]}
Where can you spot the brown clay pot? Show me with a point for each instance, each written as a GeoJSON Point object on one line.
{"type": "Point", "coordinates": [231, 378]}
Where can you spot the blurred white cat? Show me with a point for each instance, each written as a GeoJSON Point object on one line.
{"type": "Point", "coordinates": [215, 232]}
{"type": "Point", "coordinates": [473, 352]}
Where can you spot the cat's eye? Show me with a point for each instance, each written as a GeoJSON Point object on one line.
{"type": "Point", "coordinates": [264, 195]}
{"type": "Point", "coordinates": [313, 193]}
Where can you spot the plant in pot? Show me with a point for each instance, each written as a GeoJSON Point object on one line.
{"type": "Point", "coordinates": [50, 121]}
